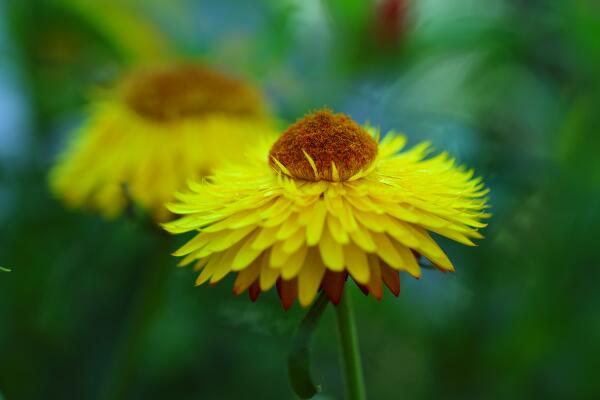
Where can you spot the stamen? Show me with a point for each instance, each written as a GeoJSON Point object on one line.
{"type": "Point", "coordinates": [324, 146]}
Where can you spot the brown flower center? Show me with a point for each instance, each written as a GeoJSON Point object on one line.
{"type": "Point", "coordinates": [325, 146]}
{"type": "Point", "coordinates": [189, 90]}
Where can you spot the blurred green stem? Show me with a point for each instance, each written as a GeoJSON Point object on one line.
{"type": "Point", "coordinates": [144, 307]}
{"type": "Point", "coordinates": [353, 374]}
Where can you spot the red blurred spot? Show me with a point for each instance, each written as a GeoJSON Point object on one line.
{"type": "Point", "coordinates": [391, 21]}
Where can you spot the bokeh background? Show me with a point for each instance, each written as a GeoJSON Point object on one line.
{"type": "Point", "coordinates": [95, 309]}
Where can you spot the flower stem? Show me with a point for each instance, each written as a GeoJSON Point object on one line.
{"type": "Point", "coordinates": [353, 374]}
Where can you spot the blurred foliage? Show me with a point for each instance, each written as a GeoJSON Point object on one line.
{"type": "Point", "coordinates": [511, 87]}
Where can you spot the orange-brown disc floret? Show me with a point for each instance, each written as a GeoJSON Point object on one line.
{"type": "Point", "coordinates": [189, 90]}
{"type": "Point", "coordinates": [321, 145]}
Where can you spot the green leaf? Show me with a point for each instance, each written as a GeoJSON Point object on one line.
{"type": "Point", "coordinates": [4, 270]}
{"type": "Point", "coordinates": [299, 359]}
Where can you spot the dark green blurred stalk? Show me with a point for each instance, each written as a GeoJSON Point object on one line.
{"type": "Point", "coordinates": [353, 373]}
{"type": "Point", "coordinates": [299, 359]}
{"type": "Point", "coordinates": [145, 305]}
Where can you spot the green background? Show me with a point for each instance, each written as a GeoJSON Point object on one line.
{"type": "Point", "coordinates": [96, 309]}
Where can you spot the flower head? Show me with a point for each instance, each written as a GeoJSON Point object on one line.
{"type": "Point", "coordinates": [155, 129]}
{"type": "Point", "coordinates": [324, 203]}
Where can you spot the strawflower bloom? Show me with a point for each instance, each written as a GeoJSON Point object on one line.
{"type": "Point", "coordinates": [156, 128]}
{"type": "Point", "coordinates": [325, 202]}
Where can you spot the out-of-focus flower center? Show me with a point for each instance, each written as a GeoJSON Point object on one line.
{"type": "Point", "coordinates": [324, 146]}
{"type": "Point", "coordinates": [190, 90]}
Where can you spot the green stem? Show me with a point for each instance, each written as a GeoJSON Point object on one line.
{"type": "Point", "coordinates": [353, 374]}
{"type": "Point", "coordinates": [299, 358]}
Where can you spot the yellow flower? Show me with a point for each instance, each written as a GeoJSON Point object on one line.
{"type": "Point", "coordinates": [324, 203]}
{"type": "Point", "coordinates": [155, 129]}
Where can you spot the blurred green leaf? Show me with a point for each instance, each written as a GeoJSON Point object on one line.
{"type": "Point", "coordinates": [134, 34]}
{"type": "Point", "coordinates": [349, 11]}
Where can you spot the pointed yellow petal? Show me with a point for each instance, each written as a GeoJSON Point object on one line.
{"type": "Point", "coordinates": [290, 269]}
{"type": "Point", "coordinates": [335, 175]}
{"type": "Point", "coordinates": [314, 228]}
{"type": "Point", "coordinates": [268, 275]}
{"type": "Point", "coordinates": [187, 260]}
{"type": "Point", "coordinates": [373, 221]}
{"type": "Point", "coordinates": [386, 250]}
{"type": "Point", "coordinates": [363, 239]}
{"type": "Point", "coordinates": [194, 244]}
{"type": "Point", "coordinates": [409, 262]}
{"type": "Point", "coordinates": [246, 254]}
{"type": "Point", "coordinates": [281, 167]}
{"type": "Point", "coordinates": [430, 249]}
{"type": "Point", "coordinates": [309, 278]}
{"type": "Point", "coordinates": [278, 256]}
{"type": "Point", "coordinates": [401, 231]}
{"type": "Point", "coordinates": [312, 164]}
{"type": "Point", "coordinates": [294, 242]}
{"type": "Point", "coordinates": [201, 264]}
{"type": "Point", "coordinates": [337, 232]}
{"type": "Point", "coordinates": [266, 237]}
{"type": "Point", "coordinates": [246, 277]}
{"type": "Point", "coordinates": [226, 263]}
{"type": "Point", "coordinates": [452, 234]}
{"type": "Point", "coordinates": [356, 263]}
{"type": "Point", "coordinates": [224, 240]}
{"type": "Point", "coordinates": [331, 252]}
{"type": "Point", "coordinates": [289, 227]}
{"type": "Point", "coordinates": [211, 266]}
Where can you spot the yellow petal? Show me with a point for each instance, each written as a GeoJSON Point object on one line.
{"type": "Point", "coordinates": [430, 249]}
{"type": "Point", "coordinates": [363, 239]}
{"type": "Point", "coordinates": [289, 227]}
{"type": "Point", "coordinates": [224, 240]}
{"type": "Point", "coordinates": [356, 263]}
{"type": "Point", "coordinates": [290, 269]}
{"type": "Point", "coordinates": [337, 232]}
{"type": "Point", "coordinates": [246, 277]}
{"type": "Point", "coordinates": [401, 231]}
{"type": "Point", "coordinates": [312, 164]}
{"type": "Point", "coordinates": [386, 250]}
{"type": "Point", "coordinates": [194, 244]}
{"type": "Point", "coordinates": [294, 242]}
{"type": "Point", "coordinates": [409, 262]}
{"type": "Point", "coordinates": [211, 266]}
{"type": "Point", "coordinates": [226, 262]}
{"type": "Point", "coordinates": [268, 275]}
{"type": "Point", "coordinates": [246, 254]}
{"type": "Point", "coordinates": [373, 221]}
{"type": "Point", "coordinates": [265, 238]}
{"type": "Point", "coordinates": [309, 278]}
{"type": "Point", "coordinates": [314, 228]}
{"type": "Point", "coordinates": [331, 252]}
{"type": "Point", "coordinates": [278, 255]}
{"type": "Point", "coordinates": [452, 234]}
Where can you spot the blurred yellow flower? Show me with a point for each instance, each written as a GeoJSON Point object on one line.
{"type": "Point", "coordinates": [155, 129]}
{"type": "Point", "coordinates": [324, 203]}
